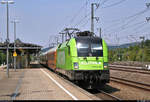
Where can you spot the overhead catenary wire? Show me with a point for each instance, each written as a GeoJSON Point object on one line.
{"type": "Point", "coordinates": [127, 20]}
{"type": "Point", "coordinates": [90, 13]}
{"type": "Point", "coordinates": [131, 19]}
{"type": "Point", "coordinates": [78, 12]}
{"type": "Point", "coordinates": [78, 23]}
{"type": "Point", "coordinates": [75, 15]}
{"type": "Point", "coordinates": [95, 10]}
{"type": "Point", "coordinates": [103, 2]}
{"type": "Point", "coordinates": [134, 33]}
{"type": "Point", "coordinates": [134, 16]}
{"type": "Point", "coordinates": [131, 16]}
{"type": "Point", "coordinates": [134, 25]}
{"type": "Point", "coordinates": [121, 28]}
{"type": "Point", "coordinates": [141, 28]}
{"type": "Point", "coordinates": [114, 4]}
{"type": "Point", "coordinates": [85, 22]}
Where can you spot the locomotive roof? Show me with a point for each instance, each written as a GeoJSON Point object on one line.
{"type": "Point", "coordinates": [88, 37]}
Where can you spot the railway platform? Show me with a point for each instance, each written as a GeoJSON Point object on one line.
{"type": "Point", "coordinates": [39, 84]}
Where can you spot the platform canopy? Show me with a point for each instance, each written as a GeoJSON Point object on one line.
{"type": "Point", "coordinates": [21, 46]}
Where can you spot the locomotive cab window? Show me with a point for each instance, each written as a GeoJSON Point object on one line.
{"type": "Point", "coordinates": [87, 46]}
{"type": "Point", "coordinates": [83, 47]}
{"type": "Point", "coordinates": [96, 48]}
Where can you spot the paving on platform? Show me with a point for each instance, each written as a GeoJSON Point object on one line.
{"type": "Point", "coordinates": [38, 84]}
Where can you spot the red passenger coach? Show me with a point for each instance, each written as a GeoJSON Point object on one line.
{"type": "Point", "coordinates": [48, 58]}
{"type": "Point", "coordinates": [51, 58]}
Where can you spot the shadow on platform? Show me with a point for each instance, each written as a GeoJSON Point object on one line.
{"type": "Point", "coordinates": [106, 88]}
{"type": "Point", "coordinates": [36, 66]}
{"type": "Point", "coordinates": [11, 95]}
{"type": "Point", "coordinates": [110, 89]}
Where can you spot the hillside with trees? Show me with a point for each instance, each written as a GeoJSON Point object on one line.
{"type": "Point", "coordinates": [139, 52]}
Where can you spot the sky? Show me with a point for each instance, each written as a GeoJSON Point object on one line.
{"type": "Point", "coordinates": [40, 21]}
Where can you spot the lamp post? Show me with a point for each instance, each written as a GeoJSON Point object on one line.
{"type": "Point", "coordinates": [1, 37]}
{"type": "Point", "coordinates": [7, 40]}
{"type": "Point", "coordinates": [15, 22]}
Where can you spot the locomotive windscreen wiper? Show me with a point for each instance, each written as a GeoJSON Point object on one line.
{"type": "Point", "coordinates": [85, 58]}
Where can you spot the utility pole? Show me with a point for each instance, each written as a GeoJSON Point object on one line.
{"type": "Point", "coordinates": [147, 19]}
{"type": "Point", "coordinates": [14, 22]}
{"type": "Point", "coordinates": [147, 5]}
{"type": "Point", "coordinates": [66, 35]}
{"type": "Point", "coordinates": [56, 40]}
{"type": "Point", "coordinates": [62, 36]}
{"type": "Point", "coordinates": [100, 32]}
{"type": "Point", "coordinates": [142, 46]}
{"type": "Point", "coordinates": [92, 16]}
{"type": "Point", "coordinates": [118, 51]}
{"type": "Point", "coordinates": [53, 44]}
{"type": "Point", "coordinates": [7, 40]}
{"type": "Point", "coordinates": [1, 37]}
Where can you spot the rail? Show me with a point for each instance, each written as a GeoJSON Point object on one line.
{"type": "Point", "coordinates": [134, 84]}
{"type": "Point", "coordinates": [109, 96]}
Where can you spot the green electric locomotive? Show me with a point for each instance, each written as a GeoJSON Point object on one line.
{"type": "Point", "coordinates": [84, 59]}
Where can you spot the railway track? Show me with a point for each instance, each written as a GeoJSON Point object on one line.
{"type": "Point", "coordinates": [107, 96]}
{"type": "Point", "coordinates": [143, 86]}
{"type": "Point", "coordinates": [104, 95]}
{"type": "Point", "coordinates": [128, 69]}
{"type": "Point", "coordinates": [101, 94]}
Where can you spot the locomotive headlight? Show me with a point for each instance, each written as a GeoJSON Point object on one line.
{"type": "Point", "coordinates": [105, 65]}
{"type": "Point", "coordinates": [76, 65]}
